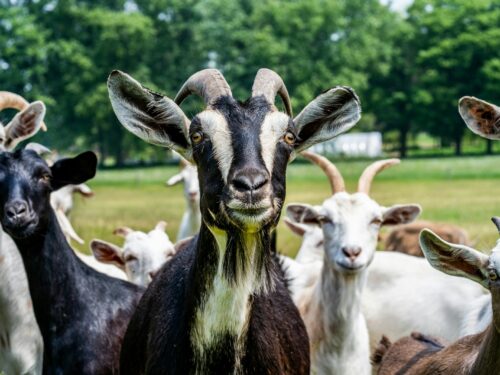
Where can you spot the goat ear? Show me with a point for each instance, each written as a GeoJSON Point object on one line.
{"type": "Point", "coordinates": [74, 171]}
{"type": "Point", "coordinates": [297, 228]}
{"type": "Point", "coordinates": [174, 180]}
{"type": "Point", "coordinates": [122, 231]}
{"type": "Point", "coordinates": [84, 190]}
{"type": "Point", "coordinates": [24, 125]}
{"type": "Point", "coordinates": [480, 116]}
{"type": "Point", "coordinates": [401, 214]}
{"type": "Point", "coordinates": [161, 226]}
{"type": "Point", "coordinates": [303, 213]}
{"type": "Point", "coordinates": [106, 252]}
{"type": "Point", "coordinates": [331, 113]}
{"type": "Point", "coordinates": [456, 260]}
{"type": "Point", "coordinates": [150, 116]}
{"type": "Point", "coordinates": [38, 148]}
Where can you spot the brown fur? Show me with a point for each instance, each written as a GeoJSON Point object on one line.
{"type": "Point", "coordinates": [404, 238]}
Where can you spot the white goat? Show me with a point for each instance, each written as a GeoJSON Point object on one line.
{"type": "Point", "coordinates": [141, 255]}
{"type": "Point", "coordinates": [21, 344]}
{"type": "Point", "coordinates": [191, 220]}
{"type": "Point", "coordinates": [62, 202]}
{"type": "Point", "coordinates": [400, 294]}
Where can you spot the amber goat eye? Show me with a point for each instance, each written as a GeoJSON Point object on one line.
{"type": "Point", "coordinates": [196, 137]}
{"type": "Point", "coordinates": [289, 138]}
{"type": "Point", "coordinates": [45, 178]}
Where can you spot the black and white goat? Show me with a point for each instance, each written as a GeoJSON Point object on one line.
{"type": "Point", "coordinates": [221, 305]}
{"type": "Point", "coordinates": [82, 313]}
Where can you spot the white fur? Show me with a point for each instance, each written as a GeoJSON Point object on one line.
{"type": "Point", "coordinates": [141, 255]}
{"type": "Point", "coordinates": [215, 126]}
{"type": "Point", "coordinates": [191, 219]}
{"type": "Point", "coordinates": [273, 128]}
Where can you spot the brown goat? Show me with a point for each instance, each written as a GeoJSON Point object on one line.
{"type": "Point", "coordinates": [474, 354]}
{"type": "Point", "coordinates": [404, 238]}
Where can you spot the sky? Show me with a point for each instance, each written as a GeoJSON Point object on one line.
{"type": "Point", "coordinates": [398, 5]}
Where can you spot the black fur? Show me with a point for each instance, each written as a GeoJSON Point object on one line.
{"type": "Point", "coordinates": [82, 313]}
{"type": "Point", "coordinates": [158, 340]}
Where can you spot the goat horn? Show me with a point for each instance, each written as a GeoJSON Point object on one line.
{"type": "Point", "coordinates": [334, 177]}
{"type": "Point", "coordinates": [210, 84]}
{"type": "Point", "coordinates": [365, 181]}
{"type": "Point", "coordinates": [11, 100]}
{"type": "Point", "coordinates": [268, 84]}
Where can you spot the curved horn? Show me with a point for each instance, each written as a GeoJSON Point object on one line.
{"type": "Point", "coordinates": [334, 177]}
{"type": "Point", "coordinates": [11, 100]}
{"type": "Point", "coordinates": [269, 83]}
{"type": "Point", "coordinates": [365, 181]}
{"type": "Point", "coordinates": [208, 83]}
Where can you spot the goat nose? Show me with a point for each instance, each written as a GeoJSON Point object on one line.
{"type": "Point", "coordinates": [249, 180]}
{"type": "Point", "coordinates": [16, 210]}
{"type": "Point", "coordinates": [351, 252]}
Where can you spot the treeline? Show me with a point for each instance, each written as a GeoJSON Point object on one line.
{"type": "Point", "coordinates": [409, 69]}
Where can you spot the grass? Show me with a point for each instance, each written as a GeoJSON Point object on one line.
{"type": "Point", "coordinates": [455, 190]}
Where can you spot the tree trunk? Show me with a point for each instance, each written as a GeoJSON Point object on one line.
{"type": "Point", "coordinates": [489, 147]}
{"type": "Point", "coordinates": [458, 145]}
{"type": "Point", "coordinates": [403, 142]}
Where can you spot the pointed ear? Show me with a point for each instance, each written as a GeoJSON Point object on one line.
{"type": "Point", "coordinates": [106, 252]}
{"type": "Point", "coordinates": [84, 190]}
{"type": "Point", "coordinates": [480, 116]}
{"type": "Point", "coordinates": [24, 125]}
{"type": "Point", "coordinates": [161, 226]}
{"type": "Point", "coordinates": [330, 114]}
{"type": "Point", "coordinates": [174, 180]}
{"type": "Point", "coordinates": [304, 213]}
{"type": "Point", "coordinates": [73, 171]}
{"type": "Point", "coordinates": [122, 231]}
{"type": "Point", "coordinates": [150, 116]}
{"type": "Point", "coordinates": [456, 260]}
{"type": "Point", "coordinates": [297, 228]}
{"type": "Point", "coordinates": [401, 214]}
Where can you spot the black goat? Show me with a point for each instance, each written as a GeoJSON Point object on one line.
{"type": "Point", "coordinates": [221, 306]}
{"type": "Point", "coordinates": [82, 313]}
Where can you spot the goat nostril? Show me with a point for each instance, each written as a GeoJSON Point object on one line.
{"type": "Point", "coordinates": [351, 252]}
{"type": "Point", "coordinates": [16, 210]}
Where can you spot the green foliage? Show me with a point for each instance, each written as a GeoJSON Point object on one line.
{"type": "Point", "coordinates": [409, 70]}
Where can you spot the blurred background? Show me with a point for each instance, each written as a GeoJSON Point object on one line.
{"type": "Point", "coordinates": [409, 61]}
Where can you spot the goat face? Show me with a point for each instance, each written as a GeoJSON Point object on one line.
{"type": "Point", "coordinates": [351, 224]}
{"type": "Point", "coordinates": [241, 149]}
{"type": "Point", "coordinates": [26, 182]}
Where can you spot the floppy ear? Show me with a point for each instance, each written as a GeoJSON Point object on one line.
{"type": "Point", "coordinates": [333, 112]}
{"type": "Point", "coordinates": [24, 124]}
{"type": "Point", "coordinates": [150, 116]}
{"type": "Point", "coordinates": [480, 116]}
{"type": "Point", "coordinates": [297, 228]}
{"type": "Point", "coordinates": [401, 214]}
{"type": "Point", "coordinates": [73, 171]}
{"type": "Point", "coordinates": [106, 252]}
{"type": "Point", "coordinates": [174, 180]}
{"type": "Point", "coordinates": [456, 260]}
{"type": "Point", "coordinates": [304, 213]}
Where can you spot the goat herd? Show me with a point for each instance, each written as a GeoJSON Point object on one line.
{"type": "Point", "coordinates": [222, 300]}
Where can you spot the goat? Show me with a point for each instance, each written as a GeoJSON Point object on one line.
{"type": "Point", "coordinates": [474, 354]}
{"type": "Point", "coordinates": [332, 313]}
{"type": "Point", "coordinates": [21, 345]}
{"type": "Point", "coordinates": [141, 255]}
{"type": "Point", "coordinates": [82, 313]}
{"type": "Point", "coordinates": [221, 305]}
{"type": "Point", "coordinates": [404, 238]}
{"type": "Point", "coordinates": [481, 117]}
{"type": "Point", "coordinates": [191, 219]}
{"type": "Point", "coordinates": [388, 302]}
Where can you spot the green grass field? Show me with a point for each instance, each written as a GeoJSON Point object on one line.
{"type": "Point", "coordinates": [455, 190]}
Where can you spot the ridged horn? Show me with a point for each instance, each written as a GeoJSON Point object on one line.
{"type": "Point", "coordinates": [14, 101]}
{"type": "Point", "coordinates": [210, 84]}
{"type": "Point", "coordinates": [365, 181]}
{"type": "Point", "coordinates": [334, 177]}
{"type": "Point", "coordinates": [268, 83]}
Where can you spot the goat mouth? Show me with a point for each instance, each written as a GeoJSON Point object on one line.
{"type": "Point", "coordinates": [350, 267]}
{"type": "Point", "coordinates": [21, 230]}
{"type": "Point", "coordinates": [248, 214]}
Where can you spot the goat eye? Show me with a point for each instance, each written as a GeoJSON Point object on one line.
{"type": "Point", "coordinates": [289, 138]}
{"type": "Point", "coordinates": [376, 221]}
{"type": "Point", "coordinates": [45, 177]}
{"type": "Point", "coordinates": [130, 258]}
{"type": "Point", "coordinates": [196, 137]}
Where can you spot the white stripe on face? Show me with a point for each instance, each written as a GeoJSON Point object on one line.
{"type": "Point", "coordinates": [215, 126]}
{"type": "Point", "coordinates": [273, 128]}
